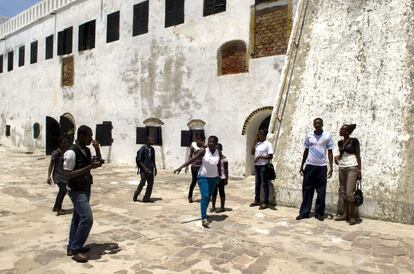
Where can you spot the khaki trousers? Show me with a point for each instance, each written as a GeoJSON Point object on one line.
{"type": "Point", "coordinates": [347, 182]}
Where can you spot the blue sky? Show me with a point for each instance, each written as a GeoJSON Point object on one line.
{"type": "Point", "coordinates": [10, 8]}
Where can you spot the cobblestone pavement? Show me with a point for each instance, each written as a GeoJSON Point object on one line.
{"type": "Point", "coordinates": [167, 237]}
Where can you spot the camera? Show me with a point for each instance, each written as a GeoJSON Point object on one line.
{"type": "Point", "coordinates": [97, 160]}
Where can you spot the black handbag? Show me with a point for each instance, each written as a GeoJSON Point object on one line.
{"type": "Point", "coordinates": [270, 171]}
{"type": "Point", "coordinates": [358, 194]}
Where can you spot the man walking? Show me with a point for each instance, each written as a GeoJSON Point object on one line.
{"type": "Point", "coordinates": [315, 173]}
{"type": "Point", "coordinates": [77, 165]}
{"type": "Point", "coordinates": [145, 160]}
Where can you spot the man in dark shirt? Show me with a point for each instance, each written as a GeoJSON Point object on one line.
{"type": "Point", "coordinates": [77, 165]}
{"type": "Point", "coordinates": [145, 160]}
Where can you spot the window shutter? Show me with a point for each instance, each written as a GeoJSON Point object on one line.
{"type": "Point", "coordinates": [82, 37]}
{"type": "Point", "coordinates": [1, 63]}
{"type": "Point", "coordinates": [91, 34]}
{"type": "Point", "coordinates": [185, 138]}
{"type": "Point", "coordinates": [21, 56]}
{"type": "Point", "coordinates": [60, 44]}
{"type": "Point", "coordinates": [69, 40]}
{"type": "Point", "coordinates": [179, 12]}
{"type": "Point", "coordinates": [220, 6]}
{"type": "Point", "coordinates": [159, 137]}
{"type": "Point", "coordinates": [169, 13]}
{"type": "Point", "coordinates": [141, 135]}
{"type": "Point", "coordinates": [208, 7]}
{"type": "Point", "coordinates": [140, 18]}
{"type": "Point", "coordinates": [52, 134]}
{"type": "Point", "coordinates": [33, 52]}
{"type": "Point", "coordinates": [49, 47]}
{"type": "Point", "coordinates": [112, 27]}
{"type": "Point", "coordinates": [103, 134]}
{"type": "Point", "coordinates": [10, 61]}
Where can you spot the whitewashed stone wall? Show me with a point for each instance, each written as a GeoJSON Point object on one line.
{"type": "Point", "coordinates": [168, 73]}
{"type": "Point", "coordinates": [355, 65]}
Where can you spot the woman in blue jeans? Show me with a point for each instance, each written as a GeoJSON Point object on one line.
{"type": "Point", "coordinates": [208, 174]}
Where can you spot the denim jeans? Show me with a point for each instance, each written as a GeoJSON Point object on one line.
{"type": "Point", "coordinates": [261, 181]}
{"type": "Point", "coordinates": [82, 219]}
{"type": "Point", "coordinates": [207, 186]}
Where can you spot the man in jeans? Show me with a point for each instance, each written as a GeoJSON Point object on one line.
{"type": "Point", "coordinates": [77, 165]}
{"type": "Point", "coordinates": [315, 173]}
{"type": "Point", "coordinates": [263, 153]}
{"type": "Point", "coordinates": [145, 160]}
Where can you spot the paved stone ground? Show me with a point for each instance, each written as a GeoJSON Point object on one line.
{"type": "Point", "coordinates": [167, 237]}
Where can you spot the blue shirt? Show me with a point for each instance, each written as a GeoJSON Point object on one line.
{"type": "Point", "coordinates": [318, 145]}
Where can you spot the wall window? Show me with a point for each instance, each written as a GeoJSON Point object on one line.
{"type": "Point", "coordinates": [36, 130]}
{"type": "Point", "coordinates": [174, 12]}
{"type": "Point", "coordinates": [1, 63]}
{"type": "Point", "coordinates": [33, 52]}
{"type": "Point", "coordinates": [21, 56]}
{"type": "Point", "coordinates": [213, 7]}
{"type": "Point", "coordinates": [232, 58]}
{"type": "Point", "coordinates": [112, 30]}
{"type": "Point", "coordinates": [140, 20]}
{"type": "Point", "coordinates": [49, 47]}
{"type": "Point", "coordinates": [7, 130]}
{"type": "Point", "coordinates": [65, 38]}
{"type": "Point", "coordinates": [86, 36]}
{"type": "Point", "coordinates": [149, 131]}
{"type": "Point", "coordinates": [10, 61]}
{"type": "Point", "coordinates": [103, 133]}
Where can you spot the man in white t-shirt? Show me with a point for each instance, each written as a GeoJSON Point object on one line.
{"type": "Point", "coordinates": [263, 153]}
{"type": "Point", "coordinates": [315, 174]}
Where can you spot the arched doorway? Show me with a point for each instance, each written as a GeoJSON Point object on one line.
{"type": "Point", "coordinates": [258, 119]}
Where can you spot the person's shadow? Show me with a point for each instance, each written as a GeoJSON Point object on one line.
{"type": "Point", "coordinates": [217, 218]}
{"type": "Point", "coordinates": [97, 250]}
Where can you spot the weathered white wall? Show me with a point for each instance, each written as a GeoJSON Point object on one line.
{"type": "Point", "coordinates": [355, 65]}
{"type": "Point", "coordinates": [168, 73]}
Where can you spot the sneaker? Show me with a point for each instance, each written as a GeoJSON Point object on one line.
{"type": "Point", "coordinates": [205, 223]}
{"type": "Point", "coordinates": [254, 204]}
{"type": "Point", "coordinates": [263, 206]}
{"type": "Point", "coordinates": [80, 258]}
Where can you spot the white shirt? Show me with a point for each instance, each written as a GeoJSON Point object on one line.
{"type": "Point", "coordinates": [69, 160]}
{"type": "Point", "coordinates": [209, 164]}
{"type": "Point", "coordinates": [348, 160]}
{"type": "Point", "coordinates": [263, 149]}
{"type": "Point", "coordinates": [318, 145]}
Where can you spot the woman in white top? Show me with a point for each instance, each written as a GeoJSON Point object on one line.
{"type": "Point", "coordinates": [208, 174]}
{"type": "Point", "coordinates": [349, 161]}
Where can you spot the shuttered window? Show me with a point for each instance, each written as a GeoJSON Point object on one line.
{"type": "Point", "coordinates": [49, 47]}
{"type": "Point", "coordinates": [65, 39]}
{"type": "Point", "coordinates": [103, 133]}
{"type": "Point", "coordinates": [213, 7]}
{"type": "Point", "coordinates": [112, 30]}
{"type": "Point", "coordinates": [1, 63]}
{"type": "Point", "coordinates": [174, 12]}
{"type": "Point", "coordinates": [33, 52]}
{"type": "Point", "coordinates": [86, 36]}
{"type": "Point", "coordinates": [149, 131]}
{"type": "Point", "coordinates": [21, 56]}
{"type": "Point", "coordinates": [10, 61]}
{"type": "Point", "coordinates": [140, 20]}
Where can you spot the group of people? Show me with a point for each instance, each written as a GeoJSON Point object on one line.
{"type": "Point", "coordinates": [71, 165]}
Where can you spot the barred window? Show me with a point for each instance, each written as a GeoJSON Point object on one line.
{"type": "Point", "coordinates": [213, 7]}
{"type": "Point", "coordinates": [33, 52]}
{"type": "Point", "coordinates": [140, 20]}
{"type": "Point", "coordinates": [21, 56]}
{"type": "Point", "coordinates": [174, 12]}
{"type": "Point", "coordinates": [112, 30]}
{"type": "Point", "coordinates": [49, 47]}
{"type": "Point", "coordinates": [86, 36]}
{"type": "Point", "coordinates": [65, 38]}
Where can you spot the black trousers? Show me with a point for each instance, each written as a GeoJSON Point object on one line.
{"type": "Point", "coordinates": [60, 196]}
{"type": "Point", "coordinates": [194, 173]}
{"type": "Point", "coordinates": [314, 178]}
{"type": "Point", "coordinates": [149, 179]}
{"type": "Point", "coordinates": [219, 188]}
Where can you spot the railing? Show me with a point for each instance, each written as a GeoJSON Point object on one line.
{"type": "Point", "coordinates": [32, 14]}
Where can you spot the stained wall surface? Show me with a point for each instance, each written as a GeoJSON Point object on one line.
{"type": "Point", "coordinates": [355, 65]}
{"type": "Point", "coordinates": [168, 73]}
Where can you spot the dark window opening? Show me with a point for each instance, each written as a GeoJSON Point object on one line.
{"type": "Point", "coordinates": [189, 136]}
{"type": "Point", "coordinates": [213, 7]}
{"type": "Point", "coordinates": [140, 18]}
{"type": "Point", "coordinates": [103, 133]}
{"type": "Point", "coordinates": [10, 61]}
{"type": "Point", "coordinates": [7, 130]}
{"type": "Point", "coordinates": [65, 38]}
{"type": "Point", "coordinates": [86, 36]}
{"type": "Point", "coordinates": [174, 12]}
{"type": "Point", "coordinates": [1, 63]}
{"type": "Point", "coordinates": [265, 124]}
{"type": "Point", "coordinates": [36, 130]}
{"type": "Point", "coordinates": [33, 52]}
{"type": "Point", "coordinates": [21, 56]}
{"type": "Point", "coordinates": [149, 131]}
{"type": "Point", "coordinates": [112, 30]}
{"type": "Point", "coordinates": [49, 47]}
